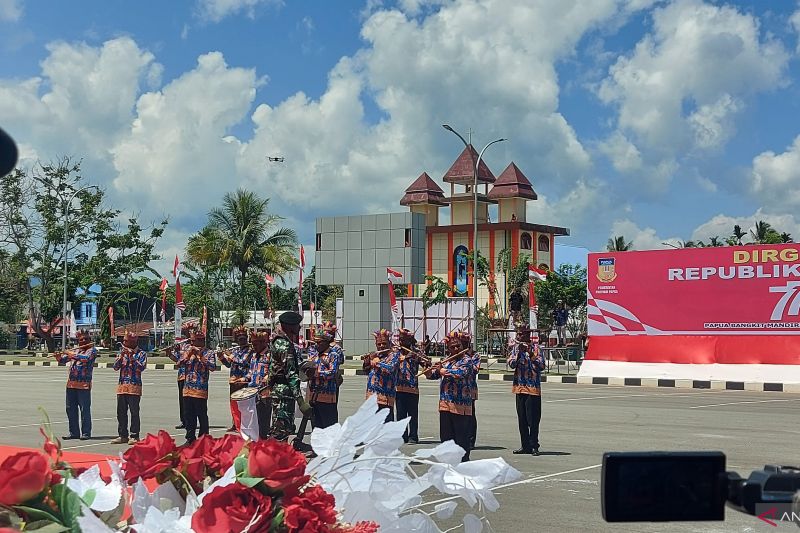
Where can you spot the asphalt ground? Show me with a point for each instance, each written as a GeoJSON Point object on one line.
{"type": "Point", "coordinates": [559, 490]}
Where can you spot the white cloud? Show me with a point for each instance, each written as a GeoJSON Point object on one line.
{"type": "Point", "coordinates": [216, 10]}
{"type": "Point", "coordinates": [795, 22]}
{"type": "Point", "coordinates": [623, 154]}
{"type": "Point", "coordinates": [10, 10]}
{"type": "Point", "coordinates": [83, 100]}
{"type": "Point", "coordinates": [643, 238]}
{"type": "Point", "coordinates": [776, 177]}
{"type": "Point", "coordinates": [722, 225]}
{"type": "Point", "coordinates": [683, 84]}
{"type": "Point", "coordinates": [175, 147]}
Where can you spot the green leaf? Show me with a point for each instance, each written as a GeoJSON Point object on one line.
{"type": "Point", "coordinates": [89, 496]}
{"type": "Point", "coordinates": [277, 521]}
{"type": "Point", "coordinates": [249, 482]}
{"type": "Point", "coordinates": [43, 526]}
{"type": "Point", "coordinates": [69, 503]}
{"type": "Point", "coordinates": [240, 466]}
{"type": "Point", "coordinates": [35, 514]}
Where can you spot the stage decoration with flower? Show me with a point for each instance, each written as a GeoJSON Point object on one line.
{"type": "Point", "coordinates": [359, 482]}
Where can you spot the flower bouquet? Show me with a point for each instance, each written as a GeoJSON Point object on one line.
{"type": "Point", "coordinates": [359, 482]}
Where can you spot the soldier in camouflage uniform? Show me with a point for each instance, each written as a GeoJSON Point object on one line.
{"type": "Point", "coordinates": [284, 379]}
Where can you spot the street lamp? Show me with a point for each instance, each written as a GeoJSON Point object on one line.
{"type": "Point", "coordinates": [474, 229]}
{"type": "Point", "coordinates": [66, 248]}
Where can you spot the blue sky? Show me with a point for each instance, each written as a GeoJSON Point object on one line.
{"type": "Point", "coordinates": [657, 120]}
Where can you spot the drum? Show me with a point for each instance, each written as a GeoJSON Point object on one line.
{"type": "Point", "coordinates": [244, 394]}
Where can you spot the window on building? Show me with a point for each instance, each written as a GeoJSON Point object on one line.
{"type": "Point", "coordinates": [544, 243]}
{"type": "Point", "coordinates": [319, 241]}
{"type": "Point", "coordinates": [525, 242]}
{"type": "Point", "coordinates": [408, 238]}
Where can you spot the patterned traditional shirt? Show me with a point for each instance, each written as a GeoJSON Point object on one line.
{"type": "Point", "coordinates": [382, 381]}
{"type": "Point", "coordinates": [130, 367]}
{"type": "Point", "coordinates": [476, 366]}
{"type": "Point", "coordinates": [527, 370]}
{"type": "Point", "coordinates": [455, 389]}
{"type": "Point", "coordinates": [327, 369]}
{"type": "Point", "coordinates": [257, 373]}
{"type": "Point", "coordinates": [175, 355]}
{"type": "Point", "coordinates": [198, 368]}
{"type": "Point", "coordinates": [407, 371]}
{"type": "Point", "coordinates": [80, 368]}
{"type": "Point", "coordinates": [238, 362]}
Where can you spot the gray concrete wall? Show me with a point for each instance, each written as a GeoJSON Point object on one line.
{"type": "Point", "coordinates": [354, 251]}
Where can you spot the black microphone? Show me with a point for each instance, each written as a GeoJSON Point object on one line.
{"type": "Point", "coordinates": [8, 153]}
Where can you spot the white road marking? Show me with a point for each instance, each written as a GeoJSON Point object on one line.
{"type": "Point", "coordinates": [520, 482]}
{"type": "Point", "coordinates": [737, 403]}
{"type": "Point", "coordinates": [105, 442]}
{"type": "Point", "coordinates": [53, 422]}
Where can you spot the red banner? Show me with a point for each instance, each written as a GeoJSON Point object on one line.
{"type": "Point", "coordinates": [750, 290]}
{"type": "Point", "coordinates": [725, 305]}
{"type": "Point", "coordinates": [111, 322]}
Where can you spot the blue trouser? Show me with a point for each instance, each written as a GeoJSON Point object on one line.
{"type": "Point", "coordinates": [79, 399]}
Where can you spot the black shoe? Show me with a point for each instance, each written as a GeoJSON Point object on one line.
{"type": "Point", "coordinates": [522, 451]}
{"type": "Point", "coordinates": [232, 429]}
{"type": "Point", "coordinates": [413, 441]}
{"type": "Point", "coordinates": [70, 437]}
{"type": "Point", "coordinates": [85, 437]}
{"type": "Point", "coordinates": [180, 426]}
{"type": "Point", "coordinates": [535, 452]}
{"type": "Point", "coordinates": [188, 442]}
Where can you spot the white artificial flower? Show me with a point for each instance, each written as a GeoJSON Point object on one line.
{"type": "Point", "coordinates": [157, 521]}
{"type": "Point", "coordinates": [94, 492]}
{"type": "Point", "coordinates": [89, 523]}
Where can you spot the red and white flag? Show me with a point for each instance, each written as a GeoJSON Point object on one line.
{"type": "Point", "coordinates": [392, 300]}
{"type": "Point", "coordinates": [176, 268]}
{"type": "Point", "coordinates": [163, 289]}
{"type": "Point", "coordinates": [536, 273]}
{"type": "Point", "coordinates": [179, 296]}
{"type": "Point", "coordinates": [111, 322]}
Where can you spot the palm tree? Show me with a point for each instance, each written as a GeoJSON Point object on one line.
{"type": "Point", "coordinates": [714, 242]}
{"type": "Point", "coordinates": [738, 234]}
{"type": "Point", "coordinates": [239, 236]}
{"type": "Point", "coordinates": [761, 232]}
{"type": "Point", "coordinates": [618, 244]}
{"type": "Point", "coordinates": [786, 237]}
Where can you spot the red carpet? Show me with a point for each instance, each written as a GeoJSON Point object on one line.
{"type": "Point", "coordinates": [76, 459]}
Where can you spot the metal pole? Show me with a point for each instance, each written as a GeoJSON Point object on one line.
{"type": "Point", "coordinates": [475, 231]}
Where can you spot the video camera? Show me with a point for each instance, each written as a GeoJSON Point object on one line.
{"type": "Point", "coordinates": [692, 486]}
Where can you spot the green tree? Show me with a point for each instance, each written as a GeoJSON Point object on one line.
{"type": "Point", "coordinates": [12, 288]}
{"type": "Point", "coordinates": [618, 244]}
{"type": "Point", "coordinates": [240, 236]}
{"type": "Point", "coordinates": [738, 235]}
{"type": "Point", "coordinates": [100, 250]}
{"type": "Point", "coordinates": [764, 233]}
{"type": "Point", "coordinates": [715, 242]}
{"type": "Point", "coordinates": [786, 237]}
{"type": "Point", "coordinates": [567, 283]}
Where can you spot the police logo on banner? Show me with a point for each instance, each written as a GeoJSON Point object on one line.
{"type": "Point", "coordinates": [606, 269]}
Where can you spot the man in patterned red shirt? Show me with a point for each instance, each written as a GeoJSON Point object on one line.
{"type": "Point", "coordinates": [382, 379]}
{"type": "Point", "coordinates": [455, 393]}
{"type": "Point", "coordinates": [323, 358]}
{"type": "Point", "coordinates": [528, 363]}
{"type": "Point", "coordinates": [130, 363]}
{"type": "Point", "coordinates": [257, 377]}
{"type": "Point", "coordinates": [79, 386]}
{"type": "Point", "coordinates": [238, 360]}
{"type": "Point", "coordinates": [407, 401]}
{"type": "Point", "coordinates": [199, 363]}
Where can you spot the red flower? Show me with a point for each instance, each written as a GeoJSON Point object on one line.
{"type": "Point", "coordinates": [53, 449]}
{"type": "Point", "coordinates": [23, 476]}
{"type": "Point", "coordinates": [219, 457]}
{"type": "Point", "coordinates": [150, 457]}
{"type": "Point", "coordinates": [191, 460]}
{"type": "Point", "coordinates": [8, 530]}
{"type": "Point", "coordinates": [310, 512]}
{"type": "Point", "coordinates": [233, 507]}
{"type": "Point", "coordinates": [281, 466]}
